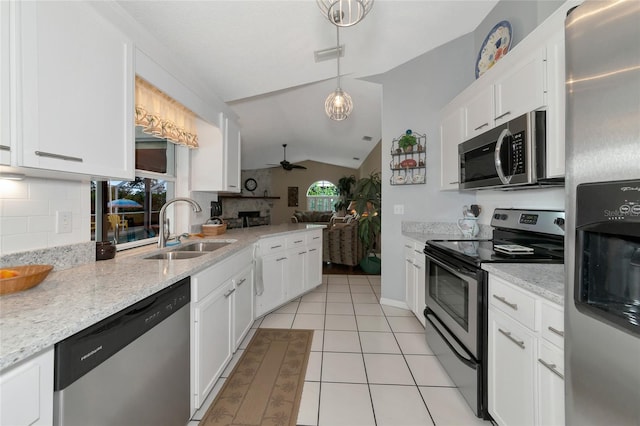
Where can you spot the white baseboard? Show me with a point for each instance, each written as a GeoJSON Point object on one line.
{"type": "Point", "coordinates": [395, 303]}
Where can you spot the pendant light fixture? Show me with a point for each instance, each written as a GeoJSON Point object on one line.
{"type": "Point", "coordinates": [338, 105]}
{"type": "Point", "coordinates": [345, 13]}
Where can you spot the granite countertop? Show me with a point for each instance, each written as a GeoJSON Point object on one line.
{"type": "Point", "coordinates": [545, 280]}
{"type": "Point", "coordinates": [73, 299]}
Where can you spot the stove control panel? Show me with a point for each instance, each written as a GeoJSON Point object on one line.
{"type": "Point", "coordinates": [543, 221]}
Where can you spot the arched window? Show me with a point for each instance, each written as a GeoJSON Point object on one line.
{"type": "Point", "coordinates": [321, 196]}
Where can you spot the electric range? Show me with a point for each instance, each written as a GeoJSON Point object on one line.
{"type": "Point", "coordinates": [456, 290]}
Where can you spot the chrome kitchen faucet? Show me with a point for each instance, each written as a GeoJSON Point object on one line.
{"type": "Point", "coordinates": [164, 222]}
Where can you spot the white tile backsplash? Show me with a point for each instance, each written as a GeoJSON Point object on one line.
{"type": "Point", "coordinates": [28, 213]}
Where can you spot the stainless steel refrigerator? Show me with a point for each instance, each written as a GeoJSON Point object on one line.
{"type": "Point", "coordinates": [602, 304]}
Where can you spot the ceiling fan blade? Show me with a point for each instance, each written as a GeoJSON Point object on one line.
{"type": "Point", "coordinates": [297, 166]}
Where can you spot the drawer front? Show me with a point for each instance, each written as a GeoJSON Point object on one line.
{"type": "Point", "coordinates": [418, 249]}
{"type": "Point", "coordinates": [314, 237]}
{"type": "Point", "coordinates": [296, 240]}
{"type": "Point", "coordinates": [551, 358]}
{"type": "Point", "coordinates": [552, 323]}
{"type": "Point", "coordinates": [271, 245]}
{"type": "Point", "coordinates": [204, 282]}
{"type": "Point", "coordinates": [515, 303]}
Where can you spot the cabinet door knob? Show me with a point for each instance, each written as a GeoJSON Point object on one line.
{"type": "Point", "coordinates": [228, 293]}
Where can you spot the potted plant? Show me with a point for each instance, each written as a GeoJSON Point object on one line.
{"type": "Point", "coordinates": [345, 190]}
{"type": "Point", "coordinates": [407, 141]}
{"type": "Point", "coordinates": [368, 199]}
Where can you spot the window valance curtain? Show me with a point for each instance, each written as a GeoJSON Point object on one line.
{"type": "Point", "coordinates": [164, 117]}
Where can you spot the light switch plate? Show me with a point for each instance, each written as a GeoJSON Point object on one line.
{"type": "Point", "coordinates": [63, 222]}
{"type": "Point", "coordinates": [398, 209]}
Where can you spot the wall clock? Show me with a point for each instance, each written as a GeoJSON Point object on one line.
{"type": "Point", "coordinates": [250, 184]}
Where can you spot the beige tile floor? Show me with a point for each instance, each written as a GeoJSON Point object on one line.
{"type": "Point", "coordinates": [369, 363]}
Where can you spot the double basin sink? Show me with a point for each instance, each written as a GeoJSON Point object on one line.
{"type": "Point", "coordinates": [189, 251]}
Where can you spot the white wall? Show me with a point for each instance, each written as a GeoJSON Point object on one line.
{"type": "Point", "coordinates": [413, 95]}
{"type": "Point", "coordinates": [28, 213]}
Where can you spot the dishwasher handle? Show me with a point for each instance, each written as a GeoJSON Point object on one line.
{"type": "Point", "coordinates": [80, 353]}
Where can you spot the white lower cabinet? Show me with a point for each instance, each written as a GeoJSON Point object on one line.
{"type": "Point", "coordinates": [242, 305]}
{"type": "Point", "coordinates": [26, 391]}
{"type": "Point", "coordinates": [221, 315]}
{"type": "Point", "coordinates": [420, 279]}
{"type": "Point", "coordinates": [289, 267]}
{"type": "Point", "coordinates": [274, 282]}
{"type": "Point", "coordinates": [313, 273]}
{"type": "Point", "coordinates": [511, 375]}
{"type": "Point", "coordinates": [415, 279]}
{"type": "Point", "coordinates": [525, 357]}
{"type": "Point", "coordinates": [212, 345]}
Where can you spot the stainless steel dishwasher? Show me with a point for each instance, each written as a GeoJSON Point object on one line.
{"type": "Point", "coordinates": [129, 369]}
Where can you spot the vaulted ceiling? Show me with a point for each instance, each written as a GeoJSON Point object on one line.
{"type": "Point", "coordinates": [258, 56]}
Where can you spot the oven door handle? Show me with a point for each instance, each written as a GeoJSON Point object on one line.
{"type": "Point", "coordinates": [469, 362]}
{"type": "Point", "coordinates": [451, 268]}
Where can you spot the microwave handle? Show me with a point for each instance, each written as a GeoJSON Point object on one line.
{"type": "Point", "coordinates": [496, 157]}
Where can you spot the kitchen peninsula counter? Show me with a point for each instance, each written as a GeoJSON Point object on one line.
{"type": "Point", "coordinates": [71, 300]}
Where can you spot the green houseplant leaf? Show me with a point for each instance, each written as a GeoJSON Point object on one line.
{"type": "Point", "coordinates": [368, 198]}
{"type": "Point", "coordinates": [345, 191]}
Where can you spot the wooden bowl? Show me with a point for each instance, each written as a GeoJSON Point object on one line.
{"type": "Point", "coordinates": [19, 278]}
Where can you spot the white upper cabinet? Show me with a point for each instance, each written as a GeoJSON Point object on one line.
{"type": "Point", "coordinates": [232, 155]}
{"type": "Point", "coordinates": [5, 100]}
{"type": "Point", "coordinates": [479, 112]}
{"type": "Point", "coordinates": [521, 88]}
{"type": "Point", "coordinates": [73, 77]}
{"type": "Point", "coordinates": [215, 165]}
{"type": "Point", "coordinates": [530, 78]}
{"type": "Point", "coordinates": [451, 134]}
{"type": "Point", "coordinates": [555, 105]}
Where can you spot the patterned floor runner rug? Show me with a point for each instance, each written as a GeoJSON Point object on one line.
{"type": "Point", "coordinates": [265, 386]}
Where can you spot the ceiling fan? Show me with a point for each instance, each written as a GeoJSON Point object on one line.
{"type": "Point", "coordinates": [285, 164]}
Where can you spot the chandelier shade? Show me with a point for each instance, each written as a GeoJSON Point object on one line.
{"type": "Point", "coordinates": [345, 13]}
{"type": "Point", "coordinates": [338, 105]}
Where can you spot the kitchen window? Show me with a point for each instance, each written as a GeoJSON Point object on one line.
{"type": "Point", "coordinates": [127, 212]}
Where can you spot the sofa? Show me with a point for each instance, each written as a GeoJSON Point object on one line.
{"type": "Point", "coordinates": [341, 243]}
{"type": "Point", "coordinates": [309, 216]}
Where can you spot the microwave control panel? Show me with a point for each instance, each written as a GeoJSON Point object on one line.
{"type": "Point", "coordinates": [517, 153]}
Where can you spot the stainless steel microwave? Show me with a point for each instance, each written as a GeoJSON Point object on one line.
{"type": "Point", "coordinates": [508, 156]}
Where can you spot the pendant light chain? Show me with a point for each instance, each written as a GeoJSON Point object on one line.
{"type": "Point", "coordinates": [338, 105]}
{"type": "Point", "coordinates": [338, 50]}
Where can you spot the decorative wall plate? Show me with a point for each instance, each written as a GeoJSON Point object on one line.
{"type": "Point", "coordinates": [494, 47]}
